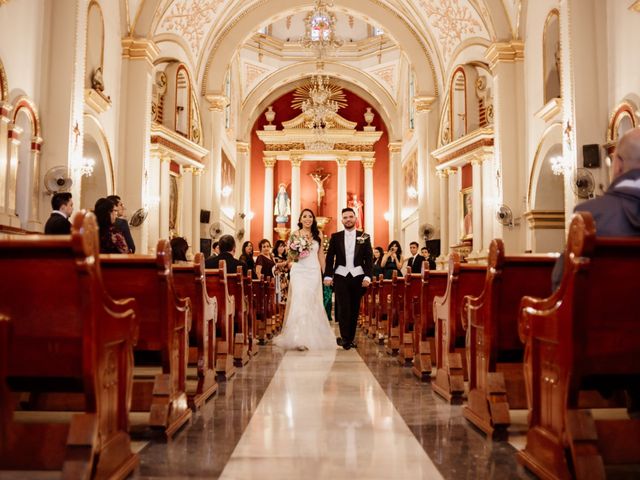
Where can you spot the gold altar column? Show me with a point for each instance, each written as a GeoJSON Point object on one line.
{"type": "Point", "coordinates": [367, 164]}
{"type": "Point", "coordinates": [395, 167]}
{"type": "Point", "coordinates": [5, 119]}
{"type": "Point", "coordinates": [267, 231]}
{"type": "Point", "coordinates": [444, 217]}
{"type": "Point", "coordinates": [342, 188]}
{"type": "Point", "coordinates": [507, 65]}
{"type": "Point", "coordinates": [296, 161]}
{"type": "Point", "coordinates": [134, 180]}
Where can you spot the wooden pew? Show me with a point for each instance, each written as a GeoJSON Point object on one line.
{"type": "Point", "coordinates": [65, 334]}
{"type": "Point", "coordinates": [409, 313]}
{"type": "Point", "coordinates": [585, 333]}
{"type": "Point", "coordinates": [217, 286]}
{"type": "Point", "coordinates": [251, 313]}
{"type": "Point", "coordinates": [395, 307]}
{"type": "Point", "coordinates": [190, 281]}
{"type": "Point", "coordinates": [383, 309]}
{"type": "Point", "coordinates": [161, 354]}
{"type": "Point", "coordinates": [463, 280]}
{"type": "Point", "coordinates": [235, 284]}
{"type": "Point", "coordinates": [260, 308]}
{"type": "Point", "coordinates": [495, 353]}
{"type": "Point", "coordinates": [373, 294]}
{"type": "Point", "coordinates": [434, 283]}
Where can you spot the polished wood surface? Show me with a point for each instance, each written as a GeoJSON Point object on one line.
{"type": "Point", "coordinates": [217, 287]}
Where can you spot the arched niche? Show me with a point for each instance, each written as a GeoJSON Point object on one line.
{"type": "Point", "coordinates": [96, 147]}
{"type": "Point", "coordinates": [551, 56]}
{"type": "Point", "coordinates": [24, 164]}
{"type": "Point", "coordinates": [464, 114]}
{"type": "Point", "coordinates": [94, 55]}
{"type": "Point", "coordinates": [177, 101]}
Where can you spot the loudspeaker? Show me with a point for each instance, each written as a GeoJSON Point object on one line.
{"type": "Point", "coordinates": [205, 246]}
{"type": "Point", "coordinates": [204, 216]}
{"type": "Point", "coordinates": [591, 156]}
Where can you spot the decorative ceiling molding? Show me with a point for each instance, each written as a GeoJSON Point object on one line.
{"type": "Point", "coordinates": [252, 74]}
{"type": "Point", "coordinates": [387, 74]}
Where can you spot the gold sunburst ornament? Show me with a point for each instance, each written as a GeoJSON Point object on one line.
{"type": "Point", "coordinates": [319, 100]}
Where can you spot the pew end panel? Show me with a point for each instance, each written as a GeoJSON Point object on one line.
{"type": "Point", "coordinates": [576, 340]}
{"type": "Point", "coordinates": [494, 350]}
{"type": "Point", "coordinates": [82, 349]}
{"type": "Point", "coordinates": [235, 283]}
{"type": "Point", "coordinates": [409, 318]}
{"type": "Point", "coordinates": [190, 281]}
{"type": "Point", "coordinates": [395, 303]}
{"type": "Point", "coordinates": [217, 286]}
{"type": "Point", "coordinates": [163, 346]}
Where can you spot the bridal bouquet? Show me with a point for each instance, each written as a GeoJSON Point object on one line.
{"type": "Point", "coordinates": [299, 247]}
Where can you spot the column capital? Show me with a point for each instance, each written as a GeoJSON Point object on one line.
{"type": "Point", "coordinates": [36, 144]}
{"type": "Point", "coordinates": [296, 160]}
{"type": "Point", "coordinates": [342, 160]}
{"type": "Point", "coordinates": [5, 110]}
{"type": "Point", "coordinates": [197, 171]}
{"type": "Point", "coordinates": [424, 104]}
{"type": "Point", "coordinates": [368, 163]}
{"type": "Point", "coordinates": [242, 147]}
{"type": "Point", "coordinates": [395, 147]}
{"type": "Point", "coordinates": [510, 52]}
{"type": "Point", "coordinates": [269, 162]}
{"type": "Point", "coordinates": [140, 49]}
{"type": "Point", "coordinates": [217, 103]}
{"type": "Point", "coordinates": [14, 132]}
{"type": "Point", "coordinates": [442, 173]}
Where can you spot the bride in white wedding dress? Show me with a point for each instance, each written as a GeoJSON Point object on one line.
{"type": "Point", "coordinates": [306, 326]}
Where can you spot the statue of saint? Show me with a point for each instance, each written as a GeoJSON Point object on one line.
{"type": "Point", "coordinates": [319, 177]}
{"type": "Point", "coordinates": [282, 207]}
{"type": "Point", "coordinates": [357, 207]}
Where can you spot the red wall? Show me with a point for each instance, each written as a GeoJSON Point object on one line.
{"type": "Point", "coordinates": [355, 173]}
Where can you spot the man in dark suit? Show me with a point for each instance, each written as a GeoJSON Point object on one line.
{"type": "Point", "coordinates": [121, 222]}
{"type": "Point", "coordinates": [349, 267]}
{"type": "Point", "coordinates": [227, 246]}
{"type": "Point", "coordinates": [58, 223]}
{"type": "Point", "coordinates": [415, 261]}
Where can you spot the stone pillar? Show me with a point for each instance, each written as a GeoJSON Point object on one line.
{"type": "Point", "coordinates": [195, 212]}
{"type": "Point", "coordinates": [34, 224]}
{"type": "Point", "coordinates": [244, 192]}
{"type": "Point", "coordinates": [506, 63]}
{"type": "Point", "coordinates": [454, 205]}
{"type": "Point", "coordinates": [369, 221]}
{"type": "Point", "coordinates": [133, 174]}
{"type": "Point", "coordinates": [296, 161]}
{"type": "Point", "coordinates": [213, 172]}
{"type": "Point", "coordinates": [444, 217]}
{"type": "Point", "coordinates": [477, 214]}
{"type": "Point", "coordinates": [12, 174]}
{"type": "Point", "coordinates": [489, 205]}
{"type": "Point", "coordinates": [5, 119]}
{"type": "Point", "coordinates": [342, 188]}
{"type": "Point", "coordinates": [267, 231]}
{"type": "Point", "coordinates": [186, 204]}
{"type": "Point", "coordinates": [395, 164]}
{"type": "Point", "coordinates": [165, 196]}
{"type": "Point", "coordinates": [428, 199]}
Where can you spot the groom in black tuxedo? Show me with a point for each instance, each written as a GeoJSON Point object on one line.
{"type": "Point", "coordinates": [349, 267]}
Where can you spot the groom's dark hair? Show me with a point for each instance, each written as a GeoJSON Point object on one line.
{"type": "Point", "coordinates": [348, 209]}
{"type": "Point", "coordinates": [227, 242]}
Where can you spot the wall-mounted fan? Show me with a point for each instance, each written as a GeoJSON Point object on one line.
{"type": "Point", "coordinates": [427, 230]}
{"type": "Point", "coordinates": [138, 217]}
{"type": "Point", "coordinates": [57, 180]}
{"type": "Point", "coordinates": [504, 215]}
{"type": "Point", "coordinates": [215, 230]}
{"type": "Point", "coordinates": [240, 234]}
{"type": "Point", "coordinates": [583, 183]}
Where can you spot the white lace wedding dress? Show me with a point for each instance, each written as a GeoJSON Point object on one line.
{"type": "Point", "coordinates": [305, 319]}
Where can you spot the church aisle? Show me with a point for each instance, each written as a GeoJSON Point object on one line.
{"type": "Point", "coordinates": [325, 416]}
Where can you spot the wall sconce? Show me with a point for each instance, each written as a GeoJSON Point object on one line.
{"type": "Point", "coordinates": [85, 167]}
{"type": "Point", "coordinates": [248, 216]}
{"type": "Point", "coordinates": [387, 216]}
{"type": "Point", "coordinates": [558, 165]}
{"type": "Point", "coordinates": [226, 191]}
{"type": "Point", "coordinates": [412, 192]}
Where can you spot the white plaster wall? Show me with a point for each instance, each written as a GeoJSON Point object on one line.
{"type": "Point", "coordinates": [623, 32]}
{"type": "Point", "coordinates": [23, 47]}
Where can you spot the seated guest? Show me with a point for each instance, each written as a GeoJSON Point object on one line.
{"type": "Point", "coordinates": [246, 257]}
{"type": "Point", "coordinates": [58, 223]}
{"type": "Point", "coordinates": [227, 246]}
{"type": "Point", "coordinates": [425, 254]}
{"type": "Point", "coordinates": [264, 262]}
{"type": "Point", "coordinates": [111, 239]}
{"type": "Point", "coordinates": [378, 253]}
{"type": "Point", "coordinates": [121, 222]}
{"type": "Point", "coordinates": [281, 270]}
{"type": "Point", "coordinates": [415, 261]}
{"type": "Point", "coordinates": [392, 260]}
{"type": "Point", "coordinates": [179, 247]}
{"type": "Point", "coordinates": [215, 248]}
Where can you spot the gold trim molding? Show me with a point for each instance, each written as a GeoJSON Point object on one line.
{"type": "Point", "coordinates": [242, 147]}
{"type": "Point", "coordinates": [635, 6]}
{"type": "Point", "coordinates": [99, 102]}
{"type": "Point", "coordinates": [504, 52]}
{"type": "Point", "coordinates": [424, 104]}
{"type": "Point", "coordinates": [140, 49]}
{"type": "Point", "coordinates": [217, 103]}
{"type": "Point", "coordinates": [545, 219]}
{"type": "Point", "coordinates": [269, 162]}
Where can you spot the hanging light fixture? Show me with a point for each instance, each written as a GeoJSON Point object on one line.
{"type": "Point", "coordinates": [320, 29]}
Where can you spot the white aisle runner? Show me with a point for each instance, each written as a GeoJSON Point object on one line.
{"type": "Point", "coordinates": [324, 416]}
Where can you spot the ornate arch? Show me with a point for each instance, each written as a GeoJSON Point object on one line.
{"type": "Point", "coordinates": [94, 129]}
{"type": "Point", "coordinates": [4, 84]}
{"type": "Point", "coordinates": [626, 109]}
{"type": "Point", "coordinates": [544, 145]}
{"type": "Point", "coordinates": [24, 103]}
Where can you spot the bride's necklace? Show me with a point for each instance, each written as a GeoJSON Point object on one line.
{"type": "Point", "coordinates": [306, 234]}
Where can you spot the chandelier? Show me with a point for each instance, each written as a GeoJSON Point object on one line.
{"type": "Point", "coordinates": [319, 29]}
{"type": "Point", "coordinates": [319, 100]}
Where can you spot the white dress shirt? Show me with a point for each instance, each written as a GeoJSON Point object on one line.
{"type": "Point", "coordinates": [349, 250]}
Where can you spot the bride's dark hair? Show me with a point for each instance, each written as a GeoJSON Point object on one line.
{"type": "Point", "coordinates": [315, 231]}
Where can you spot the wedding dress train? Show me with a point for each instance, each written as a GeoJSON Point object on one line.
{"type": "Point", "coordinates": [305, 320]}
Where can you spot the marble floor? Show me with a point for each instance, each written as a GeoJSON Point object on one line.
{"type": "Point", "coordinates": [334, 415]}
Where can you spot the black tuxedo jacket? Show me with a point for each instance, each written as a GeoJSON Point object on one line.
{"type": "Point", "coordinates": [57, 225]}
{"type": "Point", "coordinates": [362, 256]}
{"type": "Point", "coordinates": [415, 263]}
{"type": "Point", "coordinates": [231, 263]}
{"type": "Point", "coordinates": [123, 226]}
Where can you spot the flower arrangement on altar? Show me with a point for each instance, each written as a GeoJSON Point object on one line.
{"type": "Point", "coordinates": [299, 247]}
